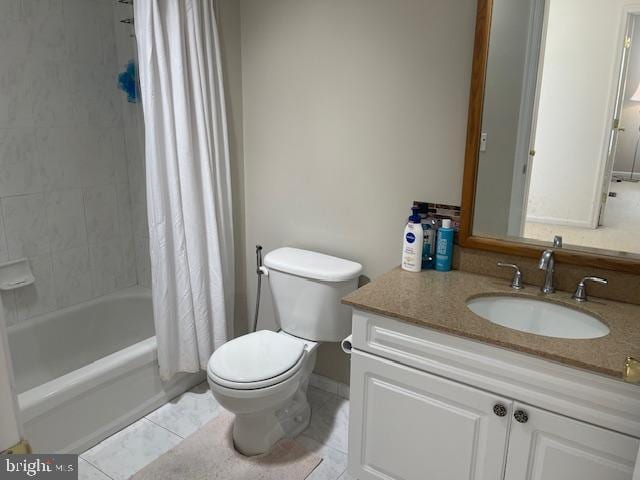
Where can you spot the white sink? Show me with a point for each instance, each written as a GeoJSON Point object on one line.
{"type": "Point", "coordinates": [537, 316]}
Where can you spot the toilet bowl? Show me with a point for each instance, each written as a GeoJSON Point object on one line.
{"type": "Point", "coordinates": [262, 377]}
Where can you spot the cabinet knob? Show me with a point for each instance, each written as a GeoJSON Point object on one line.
{"type": "Point", "coordinates": [521, 416]}
{"type": "Point", "coordinates": [500, 410]}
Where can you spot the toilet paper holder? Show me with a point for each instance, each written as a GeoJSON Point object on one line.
{"type": "Point", "coordinates": [346, 345]}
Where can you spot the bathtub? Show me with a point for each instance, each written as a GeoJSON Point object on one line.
{"type": "Point", "coordinates": [87, 371]}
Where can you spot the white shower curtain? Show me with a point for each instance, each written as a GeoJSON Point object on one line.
{"type": "Point", "coordinates": [188, 184]}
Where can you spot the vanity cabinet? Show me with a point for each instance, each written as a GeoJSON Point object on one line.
{"type": "Point", "coordinates": [550, 446]}
{"type": "Point", "coordinates": [427, 405]}
{"type": "Point", "coordinates": [408, 424]}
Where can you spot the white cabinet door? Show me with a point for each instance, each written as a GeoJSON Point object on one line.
{"type": "Point", "coordinates": [410, 425]}
{"type": "Point", "coordinates": [552, 447]}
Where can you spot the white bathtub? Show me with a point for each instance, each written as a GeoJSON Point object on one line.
{"type": "Point", "coordinates": [87, 371]}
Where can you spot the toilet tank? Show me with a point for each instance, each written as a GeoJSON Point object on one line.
{"type": "Point", "coordinates": [307, 288]}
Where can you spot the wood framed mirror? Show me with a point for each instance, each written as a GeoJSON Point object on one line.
{"type": "Point", "coordinates": [606, 102]}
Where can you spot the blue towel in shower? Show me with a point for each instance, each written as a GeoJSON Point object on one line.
{"type": "Point", "coordinates": [127, 82]}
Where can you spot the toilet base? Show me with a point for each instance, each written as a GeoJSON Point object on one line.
{"type": "Point", "coordinates": [256, 433]}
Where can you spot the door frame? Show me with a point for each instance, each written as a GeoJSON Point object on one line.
{"type": "Point", "coordinates": [527, 116]}
{"type": "Point", "coordinates": [616, 100]}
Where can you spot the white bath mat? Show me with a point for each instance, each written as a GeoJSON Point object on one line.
{"type": "Point", "coordinates": [209, 454]}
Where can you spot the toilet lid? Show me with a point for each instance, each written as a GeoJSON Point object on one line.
{"type": "Point", "coordinates": [255, 357]}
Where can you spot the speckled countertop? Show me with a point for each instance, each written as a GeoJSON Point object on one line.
{"type": "Point", "coordinates": [438, 300]}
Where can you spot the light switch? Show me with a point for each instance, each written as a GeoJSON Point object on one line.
{"type": "Point", "coordinates": [483, 142]}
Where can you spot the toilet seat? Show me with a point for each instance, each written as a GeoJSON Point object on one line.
{"type": "Point", "coordinates": [257, 360]}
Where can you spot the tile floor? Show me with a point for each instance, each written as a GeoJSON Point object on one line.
{"type": "Point", "coordinates": [124, 453]}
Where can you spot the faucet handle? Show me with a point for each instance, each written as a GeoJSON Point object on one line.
{"type": "Point", "coordinates": [516, 282]}
{"type": "Point", "coordinates": [580, 295]}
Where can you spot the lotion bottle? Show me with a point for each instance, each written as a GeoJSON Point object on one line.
{"type": "Point", "coordinates": [412, 243]}
{"type": "Point", "coordinates": [444, 246]}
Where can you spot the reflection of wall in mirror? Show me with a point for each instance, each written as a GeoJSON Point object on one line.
{"type": "Point", "coordinates": [503, 91]}
{"type": "Point", "coordinates": [630, 118]}
{"type": "Point", "coordinates": [578, 79]}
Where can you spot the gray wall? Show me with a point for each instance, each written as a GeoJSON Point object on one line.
{"type": "Point", "coordinates": [228, 15]}
{"type": "Point", "coordinates": [505, 75]}
{"type": "Point", "coordinates": [350, 111]}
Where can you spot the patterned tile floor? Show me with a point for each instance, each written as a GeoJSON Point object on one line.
{"type": "Point", "coordinates": [124, 453]}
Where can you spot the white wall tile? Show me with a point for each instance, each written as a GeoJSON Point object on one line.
{"type": "Point", "coordinates": [125, 220]}
{"type": "Point", "coordinates": [25, 225]}
{"type": "Point", "coordinates": [101, 205]}
{"type": "Point", "coordinates": [72, 276]}
{"type": "Point", "coordinates": [40, 297]}
{"type": "Point", "coordinates": [18, 164]}
{"type": "Point", "coordinates": [4, 253]}
{"type": "Point", "coordinates": [143, 261]}
{"type": "Point", "coordinates": [13, 34]}
{"type": "Point", "coordinates": [113, 265]}
{"type": "Point", "coordinates": [96, 98]}
{"type": "Point", "coordinates": [44, 29]}
{"type": "Point", "coordinates": [16, 99]}
{"type": "Point", "coordinates": [124, 46]}
{"type": "Point", "coordinates": [134, 145]}
{"type": "Point", "coordinates": [51, 92]}
{"type": "Point", "coordinates": [129, 275]}
{"type": "Point", "coordinates": [101, 166]}
{"type": "Point", "coordinates": [66, 157]}
{"type": "Point", "coordinates": [108, 33]}
{"type": "Point", "coordinates": [9, 307]}
{"type": "Point", "coordinates": [119, 156]}
{"type": "Point", "coordinates": [140, 219]}
{"type": "Point", "coordinates": [83, 29]}
{"type": "Point", "coordinates": [107, 265]}
{"type": "Point", "coordinates": [61, 158]}
{"type": "Point", "coordinates": [50, 88]}
{"type": "Point", "coordinates": [65, 219]}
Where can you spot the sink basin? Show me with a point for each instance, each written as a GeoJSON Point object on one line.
{"type": "Point", "coordinates": [537, 316]}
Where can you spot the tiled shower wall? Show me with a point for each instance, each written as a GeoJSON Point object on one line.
{"type": "Point", "coordinates": [134, 141]}
{"type": "Point", "coordinates": [65, 197]}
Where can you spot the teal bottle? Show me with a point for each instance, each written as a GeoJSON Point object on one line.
{"type": "Point", "coordinates": [444, 246]}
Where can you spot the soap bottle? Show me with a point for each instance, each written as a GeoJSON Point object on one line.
{"type": "Point", "coordinates": [429, 244]}
{"type": "Point", "coordinates": [444, 246]}
{"type": "Point", "coordinates": [412, 243]}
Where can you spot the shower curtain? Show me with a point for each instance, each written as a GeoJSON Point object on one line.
{"type": "Point", "coordinates": [188, 184]}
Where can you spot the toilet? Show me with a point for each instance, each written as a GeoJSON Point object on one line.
{"type": "Point", "coordinates": [262, 377]}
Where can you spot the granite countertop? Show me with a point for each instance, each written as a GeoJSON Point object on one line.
{"type": "Point", "coordinates": [437, 300]}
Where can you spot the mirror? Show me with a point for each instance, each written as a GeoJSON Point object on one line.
{"type": "Point", "coordinates": [557, 152]}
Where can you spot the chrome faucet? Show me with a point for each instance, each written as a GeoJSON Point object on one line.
{"type": "Point", "coordinates": [547, 263]}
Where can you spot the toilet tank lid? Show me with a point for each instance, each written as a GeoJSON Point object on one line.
{"type": "Point", "coordinates": [317, 266]}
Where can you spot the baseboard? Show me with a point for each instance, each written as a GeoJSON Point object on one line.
{"type": "Point", "coordinates": [329, 385]}
{"type": "Point", "coordinates": [558, 221]}
{"type": "Point", "coordinates": [626, 175]}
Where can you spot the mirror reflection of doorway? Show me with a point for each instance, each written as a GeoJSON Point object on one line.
{"type": "Point", "coordinates": [583, 183]}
